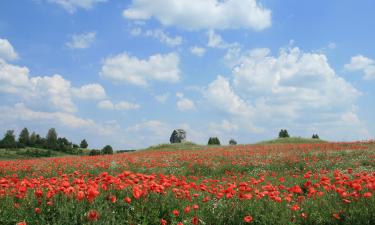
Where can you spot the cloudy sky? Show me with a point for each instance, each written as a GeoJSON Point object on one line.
{"type": "Point", "coordinates": [127, 73]}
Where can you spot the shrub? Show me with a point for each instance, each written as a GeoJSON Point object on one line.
{"type": "Point", "coordinates": [213, 141]}
{"type": "Point", "coordinates": [232, 142]}
{"type": "Point", "coordinates": [315, 136]}
{"type": "Point", "coordinates": [283, 133]}
{"type": "Point", "coordinates": [94, 152]}
{"type": "Point", "coordinates": [107, 150]}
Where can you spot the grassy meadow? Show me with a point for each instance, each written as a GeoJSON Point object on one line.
{"type": "Point", "coordinates": [290, 182]}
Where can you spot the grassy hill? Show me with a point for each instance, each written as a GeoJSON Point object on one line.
{"type": "Point", "coordinates": [176, 146]}
{"type": "Point", "coordinates": [291, 140]}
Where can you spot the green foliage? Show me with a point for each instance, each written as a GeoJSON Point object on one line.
{"type": "Point", "coordinates": [24, 138]}
{"type": "Point", "coordinates": [9, 140]}
{"type": "Point", "coordinates": [213, 141]}
{"type": "Point", "coordinates": [232, 142]}
{"type": "Point", "coordinates": [315, 136]}
{"type": "Point", "coordinates": [107, 150]}
{"type": "Point", "coordinates": [51, 139]}
{"type": "Point", "coordinates": [283, 133]}
{"type": "Point", "coordinates": [84, 144]}
{"type": "Point", "coordinates": [94, 152]}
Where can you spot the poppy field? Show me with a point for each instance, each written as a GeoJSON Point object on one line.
{"type": "Point", "coordinates": [315, 183]}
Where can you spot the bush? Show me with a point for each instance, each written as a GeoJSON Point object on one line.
{"type": "Point", "coordinates": [94, 152]}
{"type": "Point", "coordinates": [315, 136]}
{"type": "Point", "coordinates": [213, 141]}
{"type": "Point", "coordinates": [107, 150]}
{"type": "Point", "coordinates": [283, 133]}
{"type": "Point", "coordinates": [232, 142]}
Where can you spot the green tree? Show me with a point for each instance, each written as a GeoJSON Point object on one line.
{"type": "Point", "coordinates": [51, 139]}
{"type": "Point", "coordinates": [24, 138]}
{"type": "Point", "coordinates": [84, 144]}
{"type": "Point", "coordinates": [213, 141]}
{"type": "Point", "coordinates": [32, 139]}
{"type": "Point", "coordinates": [9, 140]}
{"type": "Point", "coordinates": [283, 133]}
{"type": "Point", "coordinates": [64, 145]}
{"type": "Point", "coordinates": [107, 150]}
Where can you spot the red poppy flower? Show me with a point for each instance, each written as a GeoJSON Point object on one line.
{"type": "Point", "coordinates": [176, 212]}
{"type": "Point", "coordinates": [93, 215]}
{"type": "Point", "coordinates": [248, 219]}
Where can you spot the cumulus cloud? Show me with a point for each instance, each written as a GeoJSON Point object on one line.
{"type": "Point", "coordinates": [363, 64]}
{"type": "Point", "coordinates": [55, 92]}
{"type": "Point", "coordinates": [293, 89]}
{"type": "Point", "coordinates": [7, 51]}
{"type": "Point", "coordinates": [202, 14]}
{"type": "Point", "coordinates": [221, 95]}
{"type": "Point", "coordinates": [81, 41]}
{"type": "Point", "coordinates": [198, 51]}
{"type": "Point", "coordinates": [132, 70]}
{"type": "Point", "coordinates": [90, 91]}
{"type": "Point", "coordinates": [183, 103]}
{"type": "Point", "coordinates": [122, 105]}
{"type": "Point", "coordinates": [20, 112]}
{"type": "Point", "coordinates": [72, 5]}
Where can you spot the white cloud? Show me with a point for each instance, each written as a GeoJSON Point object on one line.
{"type": "Point", "coordinates": [12, 77]}
{"type": "Point", "coordinates": [363, 64]}
{"type": "Point", "coordinates": [198, 51]}
{"type": "Point", "coordinates": [72, 5]}
{"type": "Point", "coordinates": [130, 69]}
{"type": "Point", "coordinates": [53, 92]}
{"type": "Point", "coordinates": [294, 89]}
{"type": "Point", "coordinates": [202, 14]}
{"type": "Point", "coordinates": [221, 96]}
{"type": "Point", "coordinates": [7, 51]}
{"type": "Point", "coordinates": [55, 89]}
{"type": "Point", "coordinates": [81, 41]}
{"type": "Point", "coordinates": [183, 103]}
{"type": "Point", "coordinates": [20, 112]}
{"type": "Point", "coordinates": [158, 34]}
{"type": "Point", "coordinates": [162, 98]}
{"type": "Point", "coordinates": [122, 105]}
{"type": "Point", "coordinates": [90, 91]}
{"type": "Point", "coordinates": [164, 37]}
{"type": "Point", "coordinates": [216, 41]}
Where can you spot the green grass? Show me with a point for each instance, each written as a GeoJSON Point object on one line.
{"type": "Point", "coordinates": [28, 153]}
{"type": "Point", "coordinates": [291, 140]}
{"type": "Point", "coordinates": [176, 146]}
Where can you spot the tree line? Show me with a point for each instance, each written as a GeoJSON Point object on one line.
{"type": "Point", "coordinates": [50, 142]}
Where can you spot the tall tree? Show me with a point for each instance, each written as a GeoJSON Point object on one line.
{"type": "Point", "coordinates": [51, 139]}
{"type": "Point", "coordinates": [9, 140]}
{"type": "Point", "coordinates": [84, 144]}
{"type": "Point", "coordinates": [24, 138]}
{"type": "Point", "coordinates": [33, 139]}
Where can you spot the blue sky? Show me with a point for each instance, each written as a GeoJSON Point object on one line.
{"type": "Point", "coordinates": [127, 73]}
